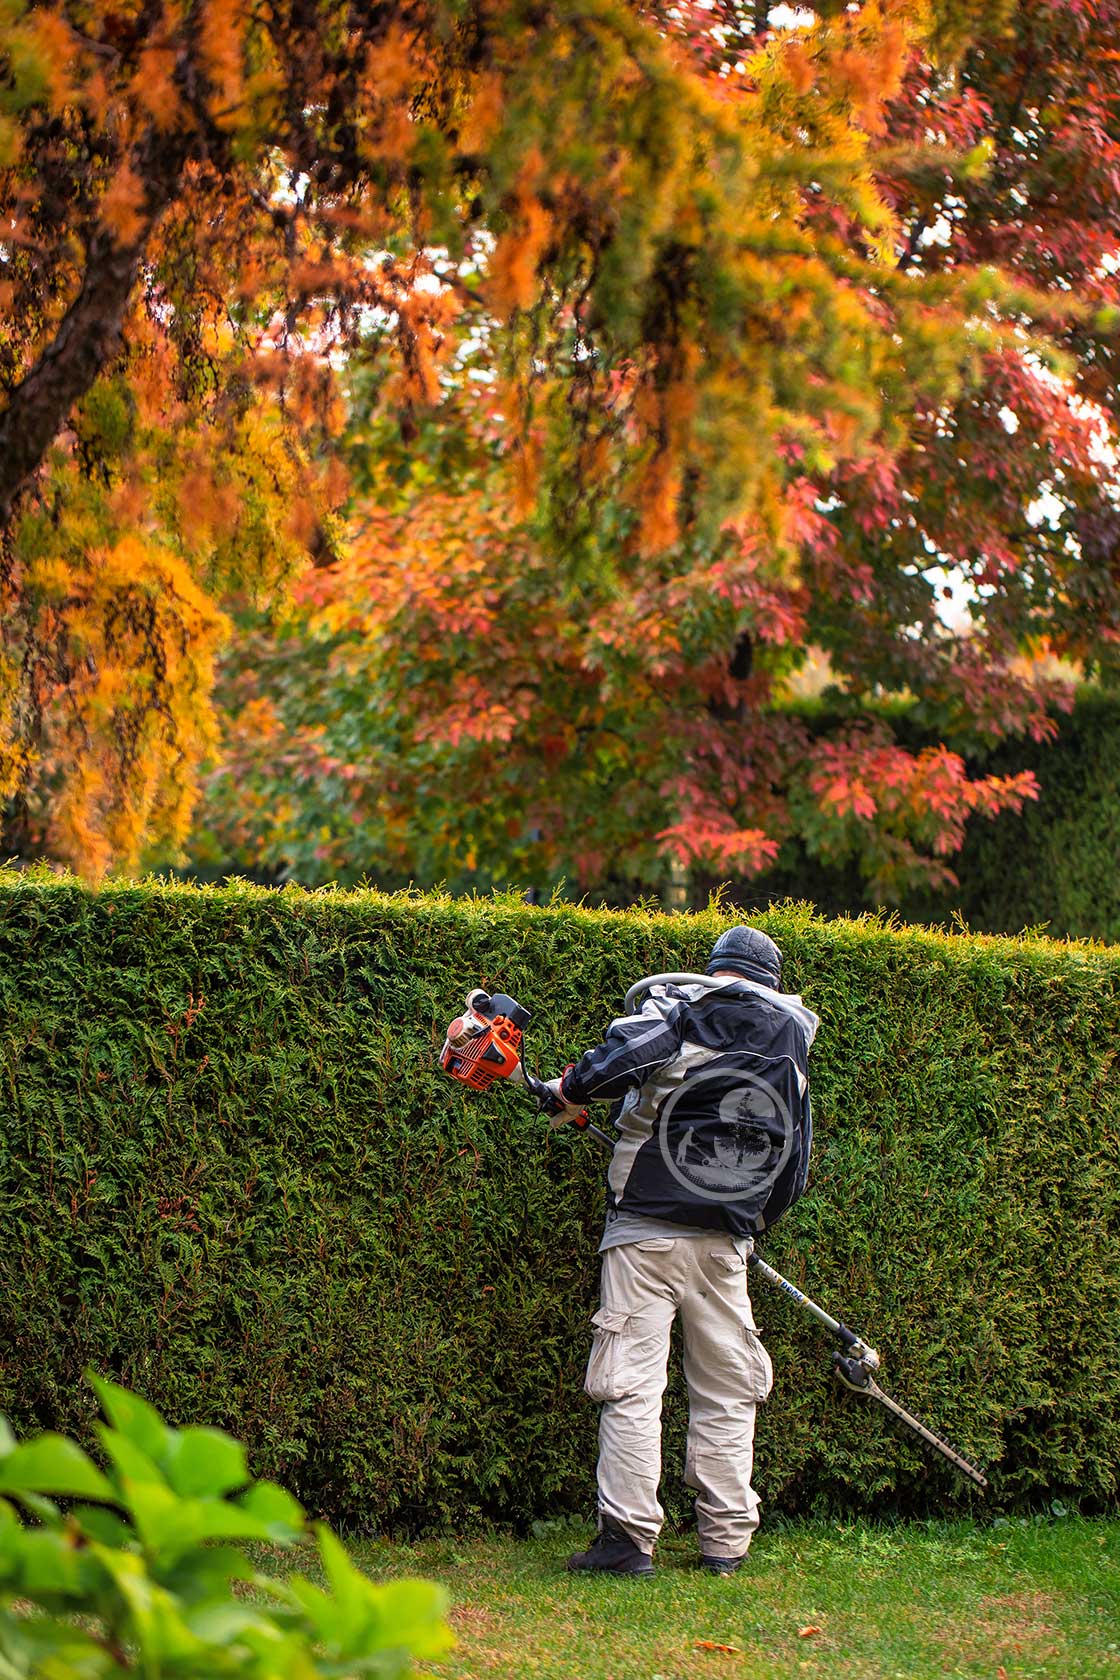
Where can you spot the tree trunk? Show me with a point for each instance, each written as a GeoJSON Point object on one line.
{"type": "Point", "coordinates": [87, 340]}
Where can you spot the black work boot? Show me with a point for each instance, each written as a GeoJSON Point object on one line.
{"type": "Point", "coordinates": [721, 1566]}
{"type": "Point", "coordinates": [612, 1552]}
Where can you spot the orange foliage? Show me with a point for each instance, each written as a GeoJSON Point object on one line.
{"type": "Point", "coordinates": [138, 641]}
{"type": "Point", "coordinates": [122, 206]}
{"type": "Point", "coordinates": [154, 89]}
{"type": "Point", "coordinates": [222, 39]}
{"type": "Point", "coordinates": [513, 279]}
{"type": "Point", "coordinates": [394, 63]}
{"type": "Point", "coordinates": [484, 114]}
{"type": "Point", "coordinates": [53, 45]}
{"type": "Point", "coordinates": [799, 67]}
{"type": "Point", "coordinates": [680, 269]}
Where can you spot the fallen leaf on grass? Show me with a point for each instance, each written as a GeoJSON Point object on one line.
{"type": "Point", "coordinates": [1001, 1673]}
{"type": "Point", "coordinates": [807, 1632]}
{"type": "Point", "coordinates": [711, 1645]}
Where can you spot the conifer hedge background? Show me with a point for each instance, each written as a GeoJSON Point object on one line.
{"type": "Point", "coordinates": [232, 1175]}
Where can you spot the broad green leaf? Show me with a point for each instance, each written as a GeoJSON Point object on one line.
{"type": "Point", "coordinates": [414, 1614]}
{"type": "Point", "coordinates": [318, 1607]}
{"type": "Point", "coordinates": [220, 1519]}
{"type": "Point", "coordinates": [51, 1565]}
{"type": "Point", "coordinates": [131, 1463]}
{"type": "Point", "coordinates": [351, 1604]}
{"type": "Point", "coordinates": [205, 1461]}
{"type": "Point", "coordinates": [52, 1464]}
{"type": "Point", "coordinates": [99, 1524]}
{"type": "Point", "coordinates": [217, 1624]}
{"type": "Point", "coordinates": [276, 1507]}
{"type": "Point", "coordinates": [161, 1633]}
{"type": "Point", "coordinates": [138, 1422]}
{"type": "Point", "coordinates": [203, 1574]}
{"type": "Point", "coordinates": [170, 1526]}
{"type": "Point", "coordinates": [364, 1616]}
{"type": "Point", "coordinates": [158, 1514]}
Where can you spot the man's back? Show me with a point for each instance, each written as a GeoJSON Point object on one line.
{"type": "Point", "coordinates": [713, 1114]}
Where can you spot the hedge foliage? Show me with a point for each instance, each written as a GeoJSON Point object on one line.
{"type": "Point", "coordinates": [1053, 866]}
{"type": "Point", "coordinates": [233, 1177]}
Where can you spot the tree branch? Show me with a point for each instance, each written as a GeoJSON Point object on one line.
{"type": "Point", "coordinates": [87, 340]}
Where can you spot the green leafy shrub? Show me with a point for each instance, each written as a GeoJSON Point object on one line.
{"type": "Point", "coordinates": [233, 1177]}
{"type": "Point", "coordinates": [138, 1575]}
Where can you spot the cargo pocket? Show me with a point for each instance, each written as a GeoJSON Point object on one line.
{"type": "Point", "coordinates": [625, 1351]}
{"type": "Point", "coordinates": [606, 1377]}
{"type": "Point", "coordinates": [760, 1367]}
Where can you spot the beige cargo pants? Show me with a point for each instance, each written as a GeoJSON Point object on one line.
{"type": "Point", "coordinates": [727, 1369]}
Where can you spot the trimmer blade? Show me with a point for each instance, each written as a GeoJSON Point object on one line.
{"type": "Point", "coordinates": [927, 1434]}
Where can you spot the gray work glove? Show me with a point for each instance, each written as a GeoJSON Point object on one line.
{"type": "Point", "coordinates": [560, 1111]}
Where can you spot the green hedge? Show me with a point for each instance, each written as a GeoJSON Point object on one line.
{"type": "Point", "coordinates": [233, 1176]}
{"type": "Point", "coordinates": [1053, 866]}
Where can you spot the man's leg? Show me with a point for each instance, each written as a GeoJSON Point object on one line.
{"type": "Point", "coordinates": [626, 1372]}
{"type": "Point", "coordinates": [728, 1372]}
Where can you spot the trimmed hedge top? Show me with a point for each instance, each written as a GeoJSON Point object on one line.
{"type": "Point", "coordinates": [234, 1177]}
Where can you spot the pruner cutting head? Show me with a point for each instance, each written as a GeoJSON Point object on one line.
{"type": "Point", "coordinates": [856, 1375]}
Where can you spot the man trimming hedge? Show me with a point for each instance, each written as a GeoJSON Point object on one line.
{"type": "Point", "coordinates": [711, 1081]}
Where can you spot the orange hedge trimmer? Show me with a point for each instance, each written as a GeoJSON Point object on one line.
{"type": "Point", "coordinates": [485, 1044]}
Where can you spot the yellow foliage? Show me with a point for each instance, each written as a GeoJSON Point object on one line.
{"type": "Point", "coordinates": [77, 828]}
{"type": "Point", "coordinates": [147, 635]}
{"type": "Point", "coordinates": [17, 757]}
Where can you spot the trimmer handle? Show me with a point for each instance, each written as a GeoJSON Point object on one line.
{"type": "Point", "coordinates": [550, 1104]}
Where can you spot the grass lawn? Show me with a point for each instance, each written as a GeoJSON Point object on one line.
{"type": "Point", "coordinates": [1011, 1600]}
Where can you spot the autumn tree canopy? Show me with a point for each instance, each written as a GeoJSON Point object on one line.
{"type": "Point", "coordinates": [554, 377]}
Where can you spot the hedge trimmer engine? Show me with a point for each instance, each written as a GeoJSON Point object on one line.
{"type": "Point", "coordinates": [485, 1044]}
